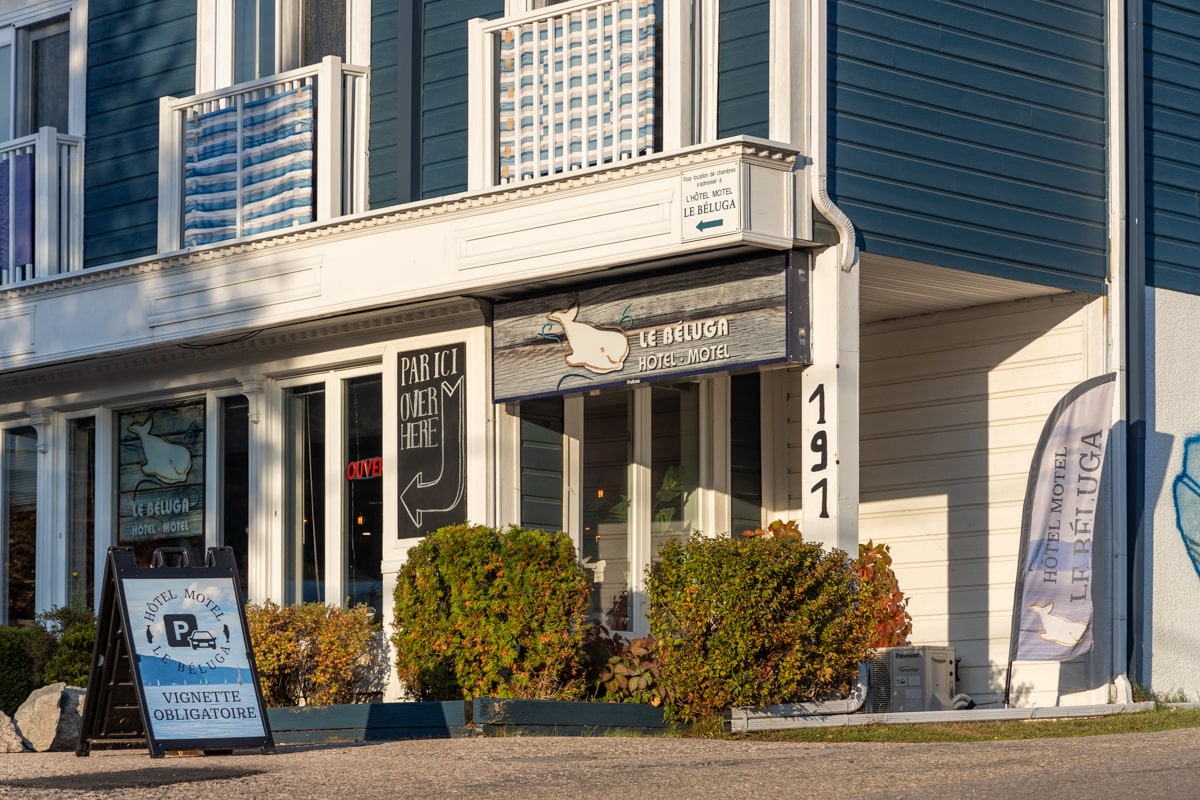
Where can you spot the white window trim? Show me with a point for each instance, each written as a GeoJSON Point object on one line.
{"type": "Point", "coordinates": [214, 39]}
{"type": "Point", "coordinates": [14, 16]}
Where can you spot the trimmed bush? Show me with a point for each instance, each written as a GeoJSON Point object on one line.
{"type": "Point", "coordinates": [755, 620]}
{"type": "Point", "coordinates": [311, 654]}
{"type": "Point", "coordinates": [488, 613]}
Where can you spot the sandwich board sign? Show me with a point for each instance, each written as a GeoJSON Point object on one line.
{"type": "Point", "coordinates": [173, 670]}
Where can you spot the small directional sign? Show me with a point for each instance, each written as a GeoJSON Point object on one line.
{"type": "Point", "coordinates": [712, 200]}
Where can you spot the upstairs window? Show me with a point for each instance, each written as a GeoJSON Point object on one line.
{"type": "Point", "coordinates": [253, 39]}
{"type": "Point", "coordinates": [34, 78]}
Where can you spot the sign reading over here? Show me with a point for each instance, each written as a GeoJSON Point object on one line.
{"type": "Point", "coordinates": [727, 316]}
{"type": "Point", "coordinates": [712, 201]}
{"type": "Point", "coordinates": [433, 438]}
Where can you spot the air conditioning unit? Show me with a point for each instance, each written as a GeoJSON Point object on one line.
{"type": "Point", "coordinates": [907, 679]}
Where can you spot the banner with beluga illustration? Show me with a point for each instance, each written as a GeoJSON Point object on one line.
{"type": "Point", "coordinates": [722, 317]}
{"type": "Point", "coordinates": [1052, 610]}
{"type": "Point", "coordinates": [160, 472]}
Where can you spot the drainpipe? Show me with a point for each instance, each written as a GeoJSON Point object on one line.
{"type": "Point", "coordinates": [1131, 108]}
{"type": "Point", "coordinates": [818, 174]}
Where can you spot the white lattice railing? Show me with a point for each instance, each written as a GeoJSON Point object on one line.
{"type": "Point", "coordinates": [263, 156]}
{"type": "Point", "coordinates": [41, 206]}
{"type": "Point", "coordinates": [572, 85]}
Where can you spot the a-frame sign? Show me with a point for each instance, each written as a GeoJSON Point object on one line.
{"type": "Point", "coordinates": [173, 669]}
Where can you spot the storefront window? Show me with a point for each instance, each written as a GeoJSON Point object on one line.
{"type": "Point", "coordinates": [161, 479]}
{"type": "Point", "coordinates": [81, 513]}
{"type": "Point", "coordinates": [235, 481]}
{"type": "Point", "coordinates": [20, 517]}
{"type": "Point", "coordinates": [674, 462]}
{"type": "Point", "coordinates": [304, 485]}
{"type": "Point", "coordinates": [364, 490]}
{"type": "Point", "coordinates": [605, 542]}
{"type": "Point", "coordinates": [614, 514]}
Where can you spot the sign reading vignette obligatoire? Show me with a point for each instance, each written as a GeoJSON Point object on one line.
{"type": "Point", "coordinates": [173, 667]}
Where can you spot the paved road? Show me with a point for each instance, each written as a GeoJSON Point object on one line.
{"type": "Point", "coordinates": [1142, 766]}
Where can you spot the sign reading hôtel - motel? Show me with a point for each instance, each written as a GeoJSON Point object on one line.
{"type": "Point", "coordinates": [723, 317]}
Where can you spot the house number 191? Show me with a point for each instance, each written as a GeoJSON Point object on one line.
{"type": "Point", "coordinates": [819, 445]}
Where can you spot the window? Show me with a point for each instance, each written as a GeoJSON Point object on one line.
{"type": "Point", "coordinates": [20, 525]}
{"type": "Point", "coordinates": [252, 39]}
{"type": "Point", "coordinates": [640, 470]}
{"type": "Point", "coordinates": [304, 493]}
{"type": "Point", "coordinates": [81, 512]}
{"type": "Point", "coordinates": [363, 530]}
{"type": "Point", "coordinates": [235, 482]}
{"type": "Point", "coordinates": [333, 485]}
{"type": "Point", "coordinates": [34, 78]}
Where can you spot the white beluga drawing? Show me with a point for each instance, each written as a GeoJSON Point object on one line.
{"type": "Point", "coordinates": [167, 461]}
{"type": "Point", "coordinates": [1057, 628]}
{"type": "Point", "coordinates": [596, 348]}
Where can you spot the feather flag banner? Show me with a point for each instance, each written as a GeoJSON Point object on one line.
{"type": "Point", "coordinates": [1052, 608]}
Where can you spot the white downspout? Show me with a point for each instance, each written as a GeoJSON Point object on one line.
{"type": "Point", "coordinates": [818, 132]}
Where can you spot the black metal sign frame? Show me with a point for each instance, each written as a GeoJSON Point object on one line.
{"type": "Point", "coordinates": [177, 674]}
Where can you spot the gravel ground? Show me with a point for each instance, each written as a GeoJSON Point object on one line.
{"type": "Point", "coordinates": [1145, 766]}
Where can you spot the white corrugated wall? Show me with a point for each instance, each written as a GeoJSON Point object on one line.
{"type": "Point", "coordinates": [951, 406]}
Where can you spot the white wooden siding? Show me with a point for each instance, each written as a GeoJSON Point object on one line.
{"type": "Point", "coordinates": [952, 405]}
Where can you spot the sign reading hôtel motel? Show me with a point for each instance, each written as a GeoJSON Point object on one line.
{"type": "Point", "coordinates": [728, 316]}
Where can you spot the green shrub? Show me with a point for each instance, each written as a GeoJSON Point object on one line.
{"type": "Point", "coordinates": [19, 670]}
{"type": "Point", "coordinates": [311, 654]}
{"type": "Point", "coordinates": [71, 659]}
{"type": "Point", "coordinates": [755, 620]}
{"type": "Point", "coordinates": [481, 612]}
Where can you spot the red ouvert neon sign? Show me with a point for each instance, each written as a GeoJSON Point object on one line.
{"type": "Point", "coordinates": [364, 468]}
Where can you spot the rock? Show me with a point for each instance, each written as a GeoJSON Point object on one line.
{"type": "Point", "coordinates": [52, 717]}
{"type": "Point", "coordinates": [10, 740]}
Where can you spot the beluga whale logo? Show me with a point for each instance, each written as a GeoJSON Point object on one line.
{"type": "Point", "coordinates": [167, 461]}
{"type": "Point", "coordinates": [597, 348]}
{"type": "Point", "coordinates": [1057, 628]}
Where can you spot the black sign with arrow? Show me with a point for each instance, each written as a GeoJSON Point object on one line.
{"type": "Point", "coordinates": [433, 439]}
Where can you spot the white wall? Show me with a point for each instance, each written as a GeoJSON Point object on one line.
{"type": "Point", "coordinates": [952, 405]}
{"type": "Point", "coordinates": [1172, 417]}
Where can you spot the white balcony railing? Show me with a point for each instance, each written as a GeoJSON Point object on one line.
{"type": "Point", "coordinates": [263, 156]}
{"type": "Point", "coordinates": [41, 204]}
{"type": "Point", "coordinates": [569, 86]}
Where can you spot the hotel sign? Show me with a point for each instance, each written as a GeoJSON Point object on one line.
{"type": "Point", "coordinates": [728, 316]}
{"type": "Point", "coordinates": [160, 472]}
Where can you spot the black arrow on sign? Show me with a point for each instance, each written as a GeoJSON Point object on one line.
{"type": "Point", "coordinates": [445, 491]}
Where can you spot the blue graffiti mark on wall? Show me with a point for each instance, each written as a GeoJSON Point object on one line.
{"type": "Point", "coordinates": [1187, 500]}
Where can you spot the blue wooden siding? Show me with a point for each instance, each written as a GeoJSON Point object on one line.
{"type": "Point", "coordinates": [1172, 144]}
{"type": "Point", "coordinates": [442, 127]}
{"type": "Point", "coordinates": [387, 151]}
{"type": "Point", "coordinates": [971, 134]}
{"type": "Point", "coordinates": [138, 51]}
{"type": "Point", "coordinates": [743, 67]}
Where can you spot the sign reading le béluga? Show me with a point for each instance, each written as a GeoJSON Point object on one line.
{"type": "Point", "coordinates": [711, 201]}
